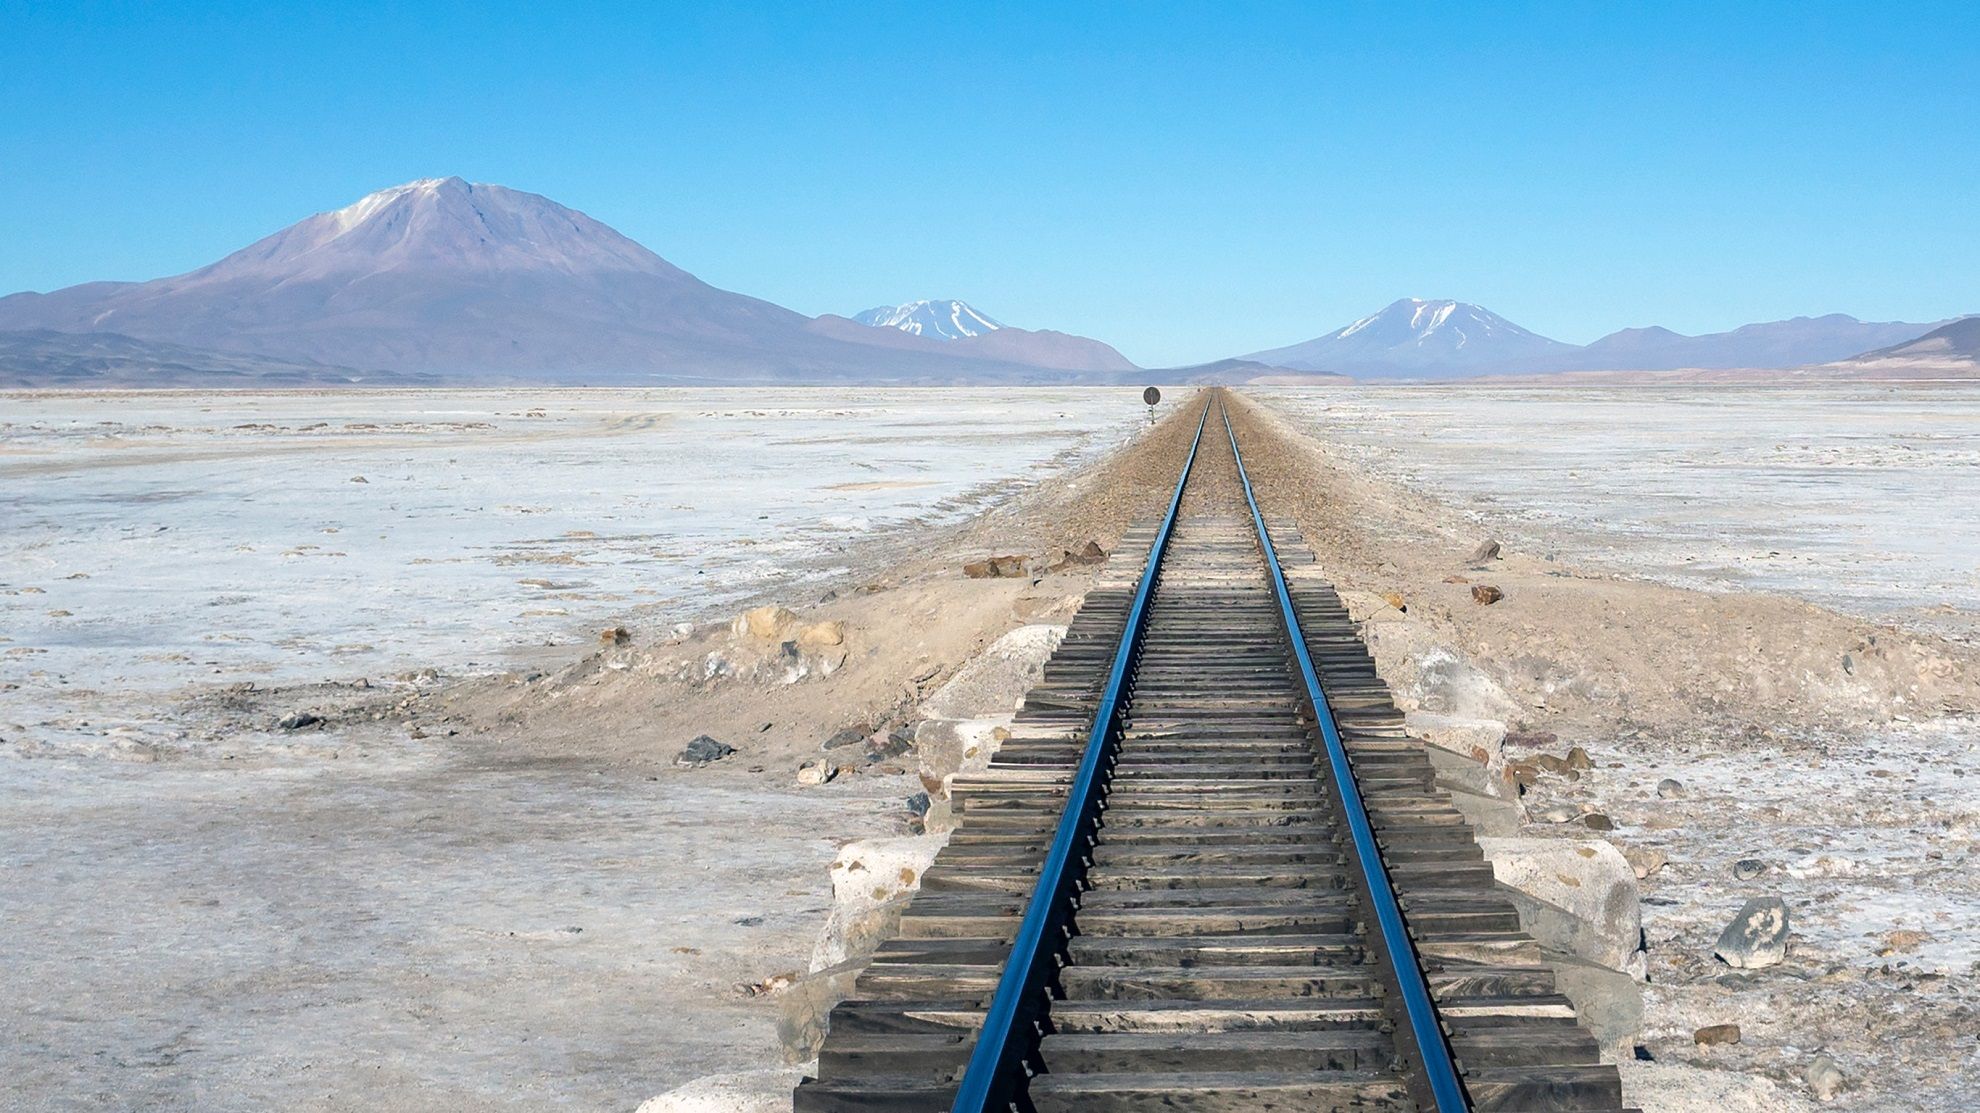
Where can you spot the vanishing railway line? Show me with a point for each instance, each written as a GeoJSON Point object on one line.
{"type": "Point", "coordinates": [1208, 871]}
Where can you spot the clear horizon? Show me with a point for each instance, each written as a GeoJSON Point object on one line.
{"type": "Point", "coordinates": [1184, 184]}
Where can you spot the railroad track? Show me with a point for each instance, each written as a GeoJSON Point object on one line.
{"type": "Point", "coordinates": [1208, 871]}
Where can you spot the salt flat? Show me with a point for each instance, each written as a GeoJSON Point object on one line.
{"type": "Point", "coordinates": [1864, 498]}
{"type": "Point", "coordinates": [156, 539]}
{"type": "Point", "coordinates": [203, 912]}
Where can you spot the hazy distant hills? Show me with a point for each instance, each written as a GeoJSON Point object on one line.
{"type": "Point", "coordinates": [493, 284]}
{"type": "Point", "coordinates": [1413, 338]}
{"type": "Point", "coordinates": [1953, 342]}
{"type": "Point", "coordinates": [45, 358]}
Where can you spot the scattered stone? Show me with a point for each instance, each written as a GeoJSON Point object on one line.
{"type": "Point", "coordinates": [1578, 759]}
{"type": "Point", "coordinates": [812, 772]}
{"type": "Point", "coordinates": [1486, 550]}
{"type": "Point", "coordinates": [918, 803]}
{"type": "Point", "coordinates": [1558, 813]}
{"type": "Point", "coordinates": [1757, 936]}
{"type": "Point", "coordinates": [298, 720]}
{"type": "Point", "coordinates": [996, 567]}
{"type": "Point", "coordinates": [1904, 941]}
{"type": "Point", "coordinates": [702, 751]}
{"type": "Point", "coordinates": [1532, 739]}
{"type": "Point", "coordinates": [359, 479]}
{"type": "Point", "coordinates": [1746, 869]}
{"type": "Point", "coordinates": [1645, 860]}
{"type": "Point", "coordinates": [1396, 600]}
{"type": "Point", "coordinates": [1716, 1035]}
{"type": "Point", "coordinates": [851, 736]}
{"type": "Point", "coordinates": [1457, 579]}
{"type": "Point", "coordinates": [1670, 789]}
{"type": "Point", "coordinates": [818, 635]}
{"type": "Point", "coordinates": [891, 745]}
{"type": "Point", "coordinates": [1088, 554]}
{"type": "Point", "coordinates": [1596, 821]}
{"type": "Point", "coordinates": [763, 623]}
{"type": "Point", "coordinates": [617, 635]}
{"type": "Point", "coordinates": [1825, 1078]}
{"type": "Point", "coordinates": [1486, 594]}
{"type": "Point", "coordinates": [770, 986]}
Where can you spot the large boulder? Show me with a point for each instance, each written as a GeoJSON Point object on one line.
{"type": "Point", "coordinates": [994, 682]}
{"type": "Point", "coordinates": [1481, 740]}
{"type": "Point", "coordinates": [949, 746]}
{"type": "Point", "coordinates": [1575, 896]}
{"type": "Point", "coordinates": [1609, 1003]}
{"type": "Point", "coordinates": [872, 880]}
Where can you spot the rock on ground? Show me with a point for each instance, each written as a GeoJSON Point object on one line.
{"type": "Point", "coordinates": [871, 879]}
{"type": "Point", "coordinates": [948, 746]}
{"type": "Point", "coordinates": [995, 681]}
{"type": "Point", "coordinates": [1757, 936]}
{"type": "Point", "coordinates": [1577, 896]}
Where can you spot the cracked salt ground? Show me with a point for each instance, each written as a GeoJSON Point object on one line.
{"type": "Point", "coordinates": [1872, 844]}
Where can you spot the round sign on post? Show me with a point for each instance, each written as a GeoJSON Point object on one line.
{"type": "Point", "coordinates": [1151, 396]}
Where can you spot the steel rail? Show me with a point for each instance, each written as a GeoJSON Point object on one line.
{"type": "Point", "coordinates": [995, 1066]}
{"type": "Point", "coordinates": [1426, 1032]}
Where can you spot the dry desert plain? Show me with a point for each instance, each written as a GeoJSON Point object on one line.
{"type": "Point", "coordinates": [328, 779]}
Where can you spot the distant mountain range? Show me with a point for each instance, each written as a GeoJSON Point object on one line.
{"type": "Point", "coordinates": [1413, 338]}
{"type": "Point", "coordinates": [1953, 342]}
{"type": "Point", "coordinates": [493, 284]}
{"type": "Point", "coordinates": [442, 280]}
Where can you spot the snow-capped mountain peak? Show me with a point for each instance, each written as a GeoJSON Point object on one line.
{"type": "Point", "coordinates": [937, 320]}
{"type": "Point", "coordinates": [443, 223]}
{"type": "Point", "coordinates": [1415, 336]}
{"type": "Point", "coordinates": [1441, 325]}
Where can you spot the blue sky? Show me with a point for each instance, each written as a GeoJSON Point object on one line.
{"type": "Point", "coordinates": [1186, 181]}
